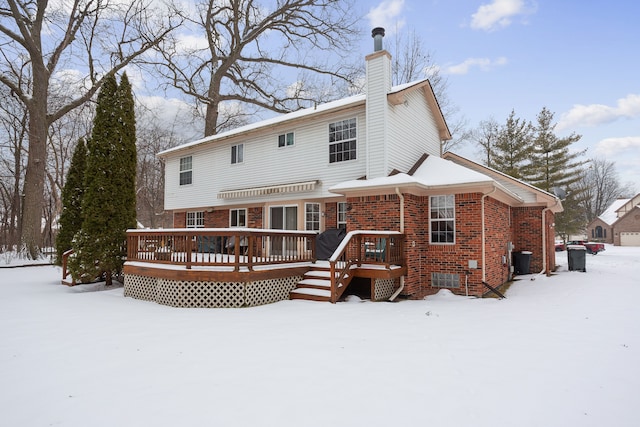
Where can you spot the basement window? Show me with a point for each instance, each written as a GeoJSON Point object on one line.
{"type": "Point", "coordinates": [445, 280]}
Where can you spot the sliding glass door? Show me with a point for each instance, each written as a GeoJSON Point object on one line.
{"type": "Point", "coordinates": [283, 218]}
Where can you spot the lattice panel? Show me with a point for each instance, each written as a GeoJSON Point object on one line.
{"type": "Point", "coordinates": [270, 291]}
{"type": "Point", "coordinates": [383, 288]}
{"type": "Point", "coordinates": [140, 287]}
{"type": "Point", "coordinates": [180, 293]}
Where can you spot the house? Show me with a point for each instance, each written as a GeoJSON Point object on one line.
{"type": "Point", "coordinates": [619, 224]}
{"type": "Point", "coordinates": [417, 221]}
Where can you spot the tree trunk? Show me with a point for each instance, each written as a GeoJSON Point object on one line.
{"type": "Point", "coordinates": [33, 190]}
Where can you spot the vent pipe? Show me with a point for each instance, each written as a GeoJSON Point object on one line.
{"type": "Point", "coordinates": [377, 34]}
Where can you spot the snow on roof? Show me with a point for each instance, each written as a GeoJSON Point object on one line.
{"type": "Point", "coordinates": [333, 105]}
{"type": "Point", "coordinates": [609, 216]}
{"type": "Point", "coordinates": [433, 172]}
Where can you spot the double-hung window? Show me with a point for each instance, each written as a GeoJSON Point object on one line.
{"type": "Point", "coordinates": [195, 219]}
{"type": "Point", "coordinates": [342, 215]}
{"type": "Point", "coordinates": [342, 141]}
{"type": "Point", "coordinates": [442, 219]}
{"type": "Point", "coordinates": [237, 154]}
{"type": "Point", "coordinates": [312, 216]}
{"type": "Point", "coordinates": [238, 218]}
{"type": "Point", "coordinates": [186, 170]}
{"type": "Point", "coordinates": [285, 140]}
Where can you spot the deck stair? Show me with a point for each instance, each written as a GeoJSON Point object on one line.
{"type": "Point", "coordinates": [316, 284]}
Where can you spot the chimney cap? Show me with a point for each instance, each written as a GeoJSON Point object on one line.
{"type": "Point", "coordinates": [378, 31]}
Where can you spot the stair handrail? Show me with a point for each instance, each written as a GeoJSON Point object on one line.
{"type": "Point", "coordinates": [340, 252]}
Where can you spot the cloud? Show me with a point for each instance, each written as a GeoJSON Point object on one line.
{"type": "Point", "coordinates": [387, 14]}
{"type": "Point", "coordinates": [499, 13]}
{"type": "Point", "coordinates": [484, 64]}
{"type": "Point", "coordinates": [609, 146]}
{"type": "Point", "coordinates": [597, 114]}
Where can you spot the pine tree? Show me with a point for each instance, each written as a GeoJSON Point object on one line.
{"type": "Point", "coordinates": [109, 200]}
{"type": "Point", "coordinates": [513, 148]}
{"type": "Point", "coordinates": [70, 221]}
{"type": "Point", "coordinates": [553, 164]}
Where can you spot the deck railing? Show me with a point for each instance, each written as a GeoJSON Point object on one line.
{"type": "Point", "coordinates": [385, 248]}
{"type": "Point", "coordinates": [226, 247]}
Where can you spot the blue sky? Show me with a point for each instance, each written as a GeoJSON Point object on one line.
{"type": "Point", "coordinates": [580, 59]}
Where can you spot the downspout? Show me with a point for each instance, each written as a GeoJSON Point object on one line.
{"type": "Point", "coordinates": [544, 236]}
{"type": "Point", "coordinates": [484, 252]}
{"type": "Point", "coordinates": [401, 197]}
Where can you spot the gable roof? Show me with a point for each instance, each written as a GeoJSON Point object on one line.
{"type": "Point", "coordinates": [395, 96]}
{"type": "Point", "coordinates": [610, 215]}
{"type": "Point", "coordinates": [530, 194]}
{"type": "Point", "coordinates": [433, 174]}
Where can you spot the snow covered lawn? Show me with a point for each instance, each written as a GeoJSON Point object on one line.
{"type": "Point", "coordinates": [559, 351]}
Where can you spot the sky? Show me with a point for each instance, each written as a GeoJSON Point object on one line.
{"type": "Point", "coordinates": [579, 59]}
{"type": "Point", "coordinates": [558, 351]}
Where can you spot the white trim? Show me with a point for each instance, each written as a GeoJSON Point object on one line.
{"type": "Point", "coordinates": [296, 187]}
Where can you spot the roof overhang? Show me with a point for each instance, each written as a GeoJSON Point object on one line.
{"type": "Point", "coordinates": [296, 187]}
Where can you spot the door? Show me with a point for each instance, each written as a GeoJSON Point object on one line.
{"type": "Point", "coordinates": [283, 218]}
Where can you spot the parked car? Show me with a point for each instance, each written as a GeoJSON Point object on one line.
{"type": "Point", "coordinates": [560, 246]}
{"type": "Point", "coordinates": [592, 247]}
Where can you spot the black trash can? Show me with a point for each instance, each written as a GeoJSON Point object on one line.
{"type": "Point", "coordinates": [577, 258]}
{"type": "Point", "coordinates": [522, 262]}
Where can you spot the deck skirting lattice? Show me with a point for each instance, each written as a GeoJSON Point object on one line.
{"type": "Point", "coordinates": [383, 288]}
{"type": "Point", "coordinates": [204, 294]}
{"type": "Point", "coordinates": [140, 287]}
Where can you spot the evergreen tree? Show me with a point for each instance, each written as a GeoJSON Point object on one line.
{"type": "Point", "coordinates": [553, 165]}
{"type": "Point", "coordinates": [70, 221]}
{"type": "Point", "coordinates": [109, 200]}
{"type": "Point", "coordinates": [513, 148]}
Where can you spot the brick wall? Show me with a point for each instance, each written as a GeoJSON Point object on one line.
{"type": "Point", "coordinates": [330, 215]}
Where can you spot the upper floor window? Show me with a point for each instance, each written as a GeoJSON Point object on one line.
{"type": "Point", "coordinates": [312, 216]}
{"type": "Point", "coordinates": [342, 215]}
{"type": "Point", "coordinates": [195, 219]}
{"type": "Point", "coordinates": [238, 218]}
{"type": "Point", "coordinates": [442, 218]}
{"type": "Point", "coordinates": [237, 153]}
{"type": "Point", "coordinates": [342, 141]}
{"type": "Point", "coordinates": [186, 170]}
{"type": "Point", "coordinates": [285, 139]}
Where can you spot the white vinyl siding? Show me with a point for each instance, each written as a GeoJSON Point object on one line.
{"type": "Point", "coordinates": [412, 133]}
{"type": "Point", "coordinates": [267, 165]}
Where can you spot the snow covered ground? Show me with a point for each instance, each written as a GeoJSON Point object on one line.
{"type": "Point", "coordinates": [559, 351]}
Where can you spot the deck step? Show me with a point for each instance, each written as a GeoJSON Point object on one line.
{"type": "Point", "coordinates": [326, 274]}
{"type": "Point", "coordinates": [311, 294]}
{"type": "Point", "coordinates": [315, 283]}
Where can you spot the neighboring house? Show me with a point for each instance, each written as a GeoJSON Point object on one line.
{"type": "Point", "coordinates": [368, 162]}
{"type": "Point", "coordinates": [619, 224]}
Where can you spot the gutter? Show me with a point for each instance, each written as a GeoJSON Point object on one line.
{"type": "Point", "coordinates": [484, 252]}
{"type": "Point", "coordinates": [401, 288]}
{"type": "Point", "coordinates": [544, 235]}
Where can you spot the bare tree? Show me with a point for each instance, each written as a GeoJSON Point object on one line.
{"type": "Point", "coordinates": [98, 37]}
{"type": "Point", "coordinates": [486, 136]}
{"type": "Point", "coordinates": [13, 134]}
{"type": "Point", "coordinates": [601, 187]}
{"type": "Point", "coordinates": [253, 52]}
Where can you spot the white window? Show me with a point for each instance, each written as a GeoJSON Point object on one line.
{"type": "Point", "coordinates": [445, 280]}
{"type": "Point", "coordinates": [186, 170]}
{"type": "Point", "coordinates": [195, 219]}
{"type": "Point", "coordinates": [312, 216]}
{"type": "Point", "coordinates": [442, 219]}
{"type": "Point", "coordinates": [285, 140]}
{"type": "Point", "coordinates": [342, 141]}
{"type": "Point", "coordinates": [237, 153]}
{"type": "Point", "coordinates": [342, 215]}
{"type": "Point", "coordinates": [238, 217]}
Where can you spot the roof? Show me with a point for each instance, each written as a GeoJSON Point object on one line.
{"type": "Point", "coordinates": [394, 95]}
{"type": "Point", "coordinates": [610, 215]}
{"type": "Point", "coordinates": [434, 173]}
